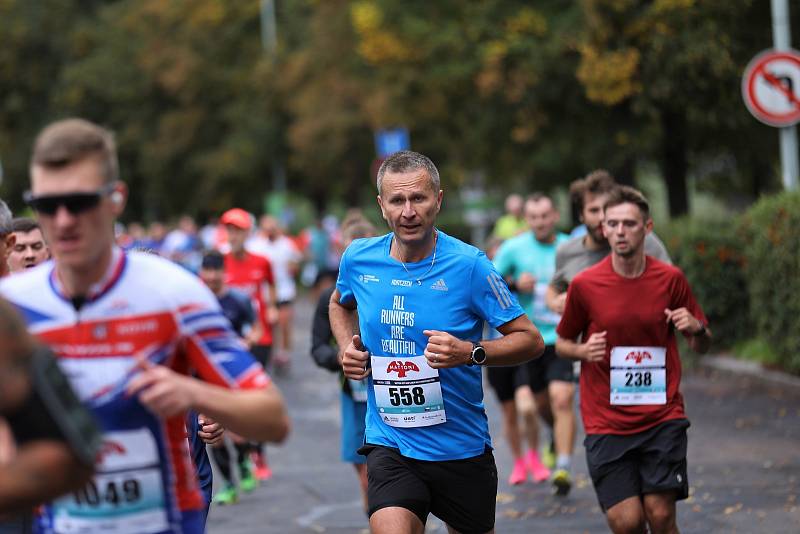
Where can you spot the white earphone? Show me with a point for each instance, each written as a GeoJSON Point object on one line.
{"type": "Point", "coordinates": [116, 197]}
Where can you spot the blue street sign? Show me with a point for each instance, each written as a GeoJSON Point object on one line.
{"type": "Point", "coordinates": [392, 140]}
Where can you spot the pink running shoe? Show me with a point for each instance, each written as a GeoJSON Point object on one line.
{"type": "Point", "coordinates": [539, 473]}
{"type": "Point", "coordinates": [518, 474]}
{"type": "Point", "coordinates": [260, 468]}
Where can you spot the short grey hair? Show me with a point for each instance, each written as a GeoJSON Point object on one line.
{"type": "Point", "coordinates": [407, 161]}
{"type": "Point", "coordinates": [5, 219]}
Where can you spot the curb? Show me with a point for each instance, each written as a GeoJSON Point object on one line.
{"type": "Point", "coordinates": [749, 368]}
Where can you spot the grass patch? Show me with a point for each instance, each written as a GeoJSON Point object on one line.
{"type": "Point", "coordinates": [757, 350]}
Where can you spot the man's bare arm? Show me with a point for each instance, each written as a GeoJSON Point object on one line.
{"type": "Point", "coordinates": [521, 342]}
{"type": "Point", "coordinates": [257, 414]}
{"type": "Point", "coordinates": [593, 350]}
{"type": "Point", "coordinates": [354, 359]}
{"type": "Point", "coordinates": [343, 320]}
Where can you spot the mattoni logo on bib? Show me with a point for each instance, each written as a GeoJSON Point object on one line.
{"type": "Point", "coordinates": [401, 368]}
{"type": "Point", "coordinates": [638, 356]}
{"type": "Point", "coordinates": [109, 448]}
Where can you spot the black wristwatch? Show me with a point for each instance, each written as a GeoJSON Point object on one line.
{"type": "Point", "coordinates": [700, 332]}
{"type": "Point", "coordinates": [478, 356]}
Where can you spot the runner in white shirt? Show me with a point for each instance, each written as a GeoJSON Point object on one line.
{"type": "Point", "coordinates": [285, 257]}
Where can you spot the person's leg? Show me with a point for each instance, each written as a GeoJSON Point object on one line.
{"type": "Point", "coordinates": [503, 382]}
{"type": "Point", "coordinates": [247, 478]}
{"type": "Point", "coordinates": [451, 530]}
{"type": "Point", "coordinates": [258, 454]}
{"type": "Point", "coordinates": [228, 493]}
{"type": "Point", "coordinates": [627, 517]}
{"type": "Point", "coordinates": [659, 508]}
{"type": "Point", "coordinates": [543, 407]}
{"type": "Point", "coordinates": [464, 492]}
{"type": "Point", "coordinates": [664, 474]}
{"type": "Point", "coordinates": [526, 405]}
{"type": "Point", "coordinates": [399, 500]}
{"type": "Point", "coordinates": [395, 520]}
{"type": "Point", "coordinates": [285, 316]}
{"type": "Point", "coordinates": [361, 473]}
{"type": "Point", "coordinates": [614, 469]}
{"type": "Point", "coordinates": [511, 431]}
{"type": "Point", "coordinates": [561, 400]}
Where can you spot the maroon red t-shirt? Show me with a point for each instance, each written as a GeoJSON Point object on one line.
{"type": "Point", "coordinates": [631, 310]}
{"type": "Point", "coordinates": [251, 274]}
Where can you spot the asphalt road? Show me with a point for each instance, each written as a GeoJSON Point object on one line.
{"type": "Point", "coordinates": [744, 464]}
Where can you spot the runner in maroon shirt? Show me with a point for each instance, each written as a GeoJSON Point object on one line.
{"type": "Point", "coordinates": [626, 310]}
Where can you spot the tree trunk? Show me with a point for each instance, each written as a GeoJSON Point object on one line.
{"type": "Point", "coordinates": [674, 165]}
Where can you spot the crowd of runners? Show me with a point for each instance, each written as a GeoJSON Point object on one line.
{"type": "Point", "coordinates": [147, 350]}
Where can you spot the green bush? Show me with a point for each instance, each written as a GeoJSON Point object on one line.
{"type": "Point", "coordinates": [771, 234]}
{"type": "Point", "coordinates": [710, 253]}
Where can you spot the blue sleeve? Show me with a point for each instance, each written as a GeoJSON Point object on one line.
{"type": "Point", "coordinates": [346, 295]}
{"type": "Point", "coordinates": [491, 298]}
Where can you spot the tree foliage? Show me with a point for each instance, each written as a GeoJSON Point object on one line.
{"type": "Point", "coordinates": [530, 95]}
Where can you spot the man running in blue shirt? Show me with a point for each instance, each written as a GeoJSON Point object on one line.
{"type": "Point", "coordinates": [420, 298]}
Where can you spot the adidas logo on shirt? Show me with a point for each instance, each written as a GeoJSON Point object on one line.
{"type": "Point", "coordinates": [439, 285]}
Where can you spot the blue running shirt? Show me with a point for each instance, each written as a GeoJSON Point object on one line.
{"type": "Point", "coordinates": [461, 291]}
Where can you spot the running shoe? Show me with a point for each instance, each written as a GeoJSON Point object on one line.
{"type": "Point", "coordinates": [248, 482]}
{"type": "Point", "coordinates": [518, 474]}
{"type": "Point", "coordinates": [549, 456]}
{"type": "Point", "coordinates": [281, 363]}
{"type": "Point", "coordinates": [247, 479]}
{"type": "Point", "coordinates": [262, 470]}
{"type": "Point", "coordinates": [562, 482]}
{"type": "Point", "coordinates": [539, 473]}
{"type": "Point", "coordinates": [226, 496]}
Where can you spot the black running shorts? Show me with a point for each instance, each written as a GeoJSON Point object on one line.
{"type": "Point", "coordinates": [262, 354]}
{"type": "Point", "coordinates": [462, 493]}
{"type": "Point", "coordinates": [547, 368]}
{"type": "Point", "coordinates": [506, 379]}
{"type": "Point", "coordinates": [653, 461]}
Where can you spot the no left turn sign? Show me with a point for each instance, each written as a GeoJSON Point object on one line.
{"type": "Point", "coordinates": [771, 87]}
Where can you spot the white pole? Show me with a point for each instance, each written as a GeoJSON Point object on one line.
{"type": "Point", "coordinates": [782, 39]}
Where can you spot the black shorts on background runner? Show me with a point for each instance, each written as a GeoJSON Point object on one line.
{"type": "Point", "coordinates": [262, 354]}
{"type": "Point", "coordinates": [462, 493]}
{"type": "Point", "coordinates": [547, 368]}
{"type": "Point", "coordinates": [506, 379]}
{"type": "Point", "coordinates": [653, 461]}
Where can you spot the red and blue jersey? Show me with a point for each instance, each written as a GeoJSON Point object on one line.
{"type": "Point", "coordinates": [144, 308]}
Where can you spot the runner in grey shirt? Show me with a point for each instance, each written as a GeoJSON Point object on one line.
{"type": "Point", "coordinates": [574, 256]}
{"type": "Point", "coordinates": [577, 254]}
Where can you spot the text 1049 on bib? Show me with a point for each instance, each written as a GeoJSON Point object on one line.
{"type": "Point", "coordinates": [126, 496]}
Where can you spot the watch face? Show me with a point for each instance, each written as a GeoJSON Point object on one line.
{"type": "Point", "coordinates": [478, 355]}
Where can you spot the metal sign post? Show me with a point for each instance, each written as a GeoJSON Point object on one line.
{"type": "Point", "coordinates": [782, 40]}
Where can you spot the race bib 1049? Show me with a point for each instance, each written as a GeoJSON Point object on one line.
{"type": "Point", "coordinates": [407, 391]}
{"type": "Point", "coordinates": [126, 496]}
{"type": "Point", "coordinates": [638, 375]}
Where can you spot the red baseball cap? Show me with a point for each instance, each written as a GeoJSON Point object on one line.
{"type": "Point", "coordinates": [238, 218]}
